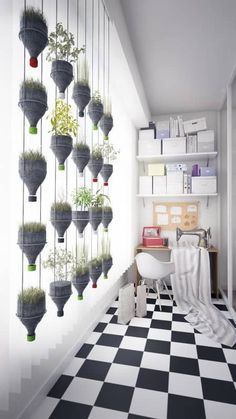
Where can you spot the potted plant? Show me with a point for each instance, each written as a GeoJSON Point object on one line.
{"type": "Point", "coordinates": [106, 257]}
{"type": "Point", "coordinates": [95, 210]}
{"type": "Point", "coordinates": [80, 273]}
{"type": "Point", "coordinates": [64, 125]}
{"type": "Point", "coordinates": [107, 216]}
{"type": "Point", "coordinates": [33, 33]}
{"type": "Point", "coordinates": [96, 161]}
{"type": "Point", "coordinates": [106, 121]}
{"type": "Point", "coordinates": [82, 199]}
{"type": "Point", "coordinates": [31, 307]}
{"type": "Point", "coordinates": [81, 156]}
{"type": "Point", "coordinates": [33, 102]}
{"type": "Point", "coordinates": [95, 270]}
{"type": "Point", "coordinates": [31, 240]}
{"type": "Point", "coordinates": [81, 90]}
{"type": "Point", "coordinates": [32, 170]}
{"type": "Point", "coordinates": [109, 154]}
{"type": "Point", "coordinates": [59, 261]}
{"type": "Point", "coordinates": [61, 216]}
{"type": "Point", "coordinates": [95, 109]}
{"type": "Point", "coordinates": [62, 52]}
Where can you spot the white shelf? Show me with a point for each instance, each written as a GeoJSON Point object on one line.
{"type": "Point", "coordinates": [176, 157]}
{"type": "Point", "coordinates": [189, 195]}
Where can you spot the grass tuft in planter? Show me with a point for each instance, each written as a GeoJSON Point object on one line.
{"type": "Point", "coordinates": [106, 121]}
{"type": "Point", "coordinates": [95, 109]}
{"type": "Point", "coordinates": [80, 273]}
{"type": "Point", "coordinates": [82, 198]}
{"type": "Point", "coordinates": [96, 161]}
{"type": "Point", "coordinates": [31, 240]}
{"type": "Point", "coordinates": [81, 90]}
{"type": "Point", "coordinates": [107, 216]}
{"type": "Point", "coordinates": [61, 216]}
{"type": "Point", "coordinates": [31, 307]}
{"type": "Point", "coordinates": [95, 270]}
{"type": "Point", "coordinates": [33, 102]}
{"type": "Point", "coordinates": [81, 156]}
{"type": "Point", "coordinates": [32, 170]}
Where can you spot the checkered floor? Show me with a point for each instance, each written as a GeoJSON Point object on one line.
{"type": "Point", "coordinates": [154, 367]}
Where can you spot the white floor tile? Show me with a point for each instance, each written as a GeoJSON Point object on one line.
{"type": "Point", "coordinates": [177, 310]}
{"type": "Point", "coordinates": [182, 327]}
{"type": "Point", "coordinates": [133, 343]}
{"type": "Point", "coordinates": [102, 353]}
{"type": "Point", "coordinates": [155, 361]}
{"type": "Point", "coordinates": [165, 302]}
{"type": "Point", "coordinates": [115, 329]}
{"type": "Point", "coordinates": [158, 315]}
{"type": "Point", "coordinates": [150, 307]}
{"type": "Point", "coordinates": [185, 350]}
{"type": "Point", "coordinates": [101, 413]}
{"type": "Point", "coordinates": [45, 409]}
{"type": "Point", "coordinates": [213, 369]}
{"type": "Point", "coordinates": [185, 385]}
{"type": "Point", "coordinates": [82, 390]}
{"type": "Point", "coordinates": [152, 404]}
{"type": "Point", "coordinates": [217, 410]}
{"type": "Point", "coordinates": [205, 341]}
{"type": "Point", "coordinates": [140, 322]}
{"type": "Point", "coordinates": [122, 374]}
{"type": "Point", "coordinates": [115, 304]}
{"type": "Point", "coordinates": [93, 338]}
{"type": "Point", "coordinates": [230, 355]}
{"type": "Point", "coordinates": [74, 366]}
{"type": "Point", "coordinates": [159, 334]}
{"type": "Point", "coordinates": [106, 318]}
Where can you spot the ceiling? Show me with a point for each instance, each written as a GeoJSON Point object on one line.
{"type": "Point", "coordinates": [185, 51]}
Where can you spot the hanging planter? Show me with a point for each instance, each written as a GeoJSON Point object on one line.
{"type": "Point", "coordinates": [62, 52]}
{"type": "Point", "coordinates": [81, 96]}
{"type": "Point", "coordinates": [95, 270]}
{"type": "Point", "coordinates": [106, 264]}
{"type": "Point", "coordinates": [106, 124]}
{"type": "Point", "coordinates": [33, 33]}
{"type": "Point", "coordinates": [95, 109]}
{"type": "Point", "coordinates": [31, 307]}
{"type": "Point", "coordinates": [60, 292]}
{"type": "Point", "coordinates": [82, 199]}
{"type": "Point", "coordinates": [31, 240]}
{"type": "Point", "coordinates": [96, 162]}
{"type": "Point", "coordinates": [32, 170]}
{"type": "Point", "coordinates": [80, 277]}
{"type": "Point", "coordinates": [106, 172]}
{"type": "Point", "coordinates": [81, 156]}
{"type": "Point", "coordinates": [33, 102]}
{"type": "Point", "coordinates": [96, 210]}
{"type": "Point", "coordinates": [61, 146]}
{"type": "Point", "coordinates": [80, 219]}
{"type": "Point", "coordinates": [109, 154]}
{"type": "Point", "coordinates": [60, 217]}
{"type": "Point", "coordinates": [107, 216]}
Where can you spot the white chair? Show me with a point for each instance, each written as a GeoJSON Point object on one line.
{"type": "Point", "coordinates": [153, 271]}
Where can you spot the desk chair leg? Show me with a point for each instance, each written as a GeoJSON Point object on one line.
{"type": "Point", "coordinates": [168, 292]}
{"type": "Point", "coordinates": [158, 294]}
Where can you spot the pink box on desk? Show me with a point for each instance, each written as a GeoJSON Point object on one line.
{"type": "Point", "coordinates": [151, 237]}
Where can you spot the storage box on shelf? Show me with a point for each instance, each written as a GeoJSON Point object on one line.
{"type": "Point", "coordinates": [175, 182]}
{"type": "Point", "coordinates": [145, 185]}
{"type": "Point", "coordinates": [156, 169]}
{"type": "Point", "coordinates": [204, 184]}
{"type": "Point", "coordinates": [174, 145]}
{"type": "Point", "coordinates": [205, 141]}
{"type": "Point", "coordinates": [159, 185]}
{"type": "Point", "coordinates": [195, 125]}
{"type": "Point", "coordinates": [149, 147]}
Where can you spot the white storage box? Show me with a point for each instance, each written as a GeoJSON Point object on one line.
{"type": "Point", "coordinates": [174, 145]}
{"type": "Point", "coordinates": [204, 184]}
{"type": "Point", "coordinates": [145, 185]}
{"type": "Point", "coordinates": [163, 129]}
{"type": "Point", "coordinates": [159, 185]}
{"type": "Point", "coordinates": [156, 169]}
{"type": "Point", "coordinates": [194, 125]}
{"type": "Point", "coordinates": [149, 148]}
{"type": "Point", "coordinates": [146, 134]}
{"type": "Point", "coordinates": [175, 182]}
{"type": "Point", "coordinates": [205, 141]}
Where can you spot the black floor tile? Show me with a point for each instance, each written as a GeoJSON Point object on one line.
{"type": "Point", "coordinates": [232, 368]}
{"type": "Point", "coordinates": [221, 307]}
{"type": "Point", "coordinates": [149, 315]}
{"type": "Point", "coordinates": [180, 407]}
{"type": "Point", "coordinates": [182, 337]}
{"type": "Point", "coordinates": [161, 324]}
{"type": "Point", "coordinates": [114, 319]}
{"type": "Point", "coordinates": [178, 317]}
{"type": "Point", "coordinates": [217, 390]}
{"type": "Point", "coordinates": [84, 351]}
{"type": "Point", "coordinates": [131, 416]}
{"type": "Point", "coordinates": [65, 409]}
{"type": "Point", "coordinates": [94, 370]}
{"type": "Point", "coordinates": [109, 340]}
{"type": "Point", "coordinates": [100, 327]}
{"type": "Point", "coordinates": [151, 300]}
{"type": "Point", "coordinates": [116, 397]}
{"type": "Point", "coordinates": [128, 357]}
{"type": "Point", "coordinates": [140, 332]}
{"type": "Point", "coordinates": [157, 346]}
{"type": "Point", "coordinates": [164, 297]}
{"type": "Point", "coordinates": [231, 347]}
{"type": "Point", "coordinates": [60, 387]}
{"type": "Point", "coordinates": [184, 365]}
{"type": "Point", "coordinates": [111, 310]}
{"type": "Point", "coordinates": [211, 354]}
{"type": "Point", "coordinates": [153, 380]}
{"type": "Point", "coordinates": [164, 309]}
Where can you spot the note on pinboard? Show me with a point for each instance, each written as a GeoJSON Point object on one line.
{"type": "Point", "coordinates": [177, 214]}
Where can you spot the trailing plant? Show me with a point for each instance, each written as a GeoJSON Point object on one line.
{"type": "Point", "coordinates": [81, 146]}
{"type": "Point", "coordinates": [82, 73]}
{"type": "Point", "coordinates": [97, 152]}
{"type": "Point", "coordinates": [33, 13]}
{"type": "Point", "coordinates": [32, 155]}
{"type": "Point", "coordinates": [57, 260]}
{"type": "Point", "coordinates": [96, 97]}
{"type": "Point", "coordinates": [62, 120]}
{"type": "Point", "coordinates": [61, 206]}
{"type": "Point", "coordinates": [31, 295]}
{"type": "Point", "coordinates": [32, 84]}
{"type": "Point", "coordinates": [109, 152]}
{"type": "Point", "coordinates": [98, 199]}
{"type": "Point", "coordinates": [82, 198]}
{"type": "Point", "coordinates": [32, 227]}
{"type": "Point", "coordinates": [61, 45]}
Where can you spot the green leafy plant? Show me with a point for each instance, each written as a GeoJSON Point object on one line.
{"type": "Point", "coordinates": [80, 266]}
{"type": "Point", "coordinates": [96, 97]}
{"type": "Point", "coordinates": [98, 199]}
{"type": "Point", "coordinates": [57, 260]}
{"type": "Point", "coordinates": [82, 198]}
{"type": "Point", "coordinates": [61, 206]}
{"type": "Point", "coordinates": [32, 227]}
{"type": "Point", "coordinates": [33, 84]}
{"type": "Point", "coordinates": [108, 151]}
{"type": "Point", "coordinates": [97, 152]}
{"type": "Point", "coordinates": [81, 146]}
{"type": "Point", "coordinates": [61, 45]}
{"type": "Point", "coordinates": [82, 73]}
{"type": "Point", "coordinates": [31, 295]}
{"type": "Point", "coordinates": [62, 120]}
{"type": "Point", "coordinates": [33, 13]}
{"type": "Point", "coordinates": [32, 155]}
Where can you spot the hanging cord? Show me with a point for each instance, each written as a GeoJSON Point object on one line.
{"type": "Point", "coordinates": [67, 102]}
{"type": "Point", "coordinates": [55, 161]}
{"type": "Point", "coordinates": [103, 81]}
{"type": "Point", "coordinates": [98, 70]}
{"type": "Point", "coordinates": [77, 119]}
{"type": "Point", "coordinates": [85, 113]}
{"type": "Point", "coordinates": [92, 86]}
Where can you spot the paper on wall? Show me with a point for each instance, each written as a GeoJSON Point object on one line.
{"type": "Point", "coordinates": [192, 208]}
{"type": "Point", "coordinates": [162, 219]}
{"type": "Point", "coordinates": [161, 208]}
{"type": "Point", "coordinates": [176, 210]}
{"type": "Point", "coordinates": [175, 220]}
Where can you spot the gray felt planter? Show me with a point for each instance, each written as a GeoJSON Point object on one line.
{"type": "Point", "coordinates": [31, 244]}
{"type": "Point", "coordinates": [81, 158]}
{"type": "Point", "coordinates": [106, 172]}
{"type": "Point", "coordinates": [61, 146]}
{"type": "Point", "coordinates": [30, 315]}
{"type": "Point", "coordinates": [95, 166]}
{"type": "Point", "coordinates": [33, 173]}
{"type": "Point", "coordinates": [107, 217]}
{"type": "Point", "coordinates": [106, 266]}
{"type": "Point", "coordinates": [95, 272]}
{"type": "Point", "coordinates": [106, 124]}
{"type": "Point", "coordinates": [95, 111]}
{"type": "Point", "coordinates": [80, 219]}
{"type": "Point", "coordinates": [95, 217]}
{"type": "Point", "coordinates": [80, 282]}
{"type": "Point", "coordinates": [81, 96]}
{"type": "Point", "coordinates": [60, 220]}
{"type": "Point", "coordinates": [60, 292]}
{"type": "Point", "coordinates": [33, 103]}
{"type": "Point", "coordinates": [62, 75]}
{"type": "Point", "coordinates": [34, 35]}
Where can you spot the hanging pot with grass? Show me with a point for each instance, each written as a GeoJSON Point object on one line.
{"type": "Point", "coordinates": [81, 156]}
{"type": "Point", "coordinates": [31, 240]}
{"type": "Point", "coordinates": [96, 162]}
{"type": "Point", "coordinates": [61, 216]}
{"type": "Point", "coordinates": [31, 307]}
{"type": "Point", "coordinates": [95, 270]}
{"type": "Point", "coordinates": [106, 264]}
{"type": "Point", "coordinates": [95, 109]}
{"type": "Point", "coordinates": [33, 33]}
{"type": "Point", "coordinates": [33, 102]}
{"type": "Point", "coordinates": [95, 217]}
{"type": "Point", "coordinates": [106, 172]}
{"type": "Point", "coordinates": [81, 96]}
{"type": "Point", "coordinates": [60, 292]}
{"type": "Point", "coordinates": [80, 279]}
{"type": "Point", "coordinates": [82, 198]}
{"type": "Point", "coordinates": [107, 216]}
{"type": "Point", "coordinates": [106, 124]}
{"type": "Point", "coordinates": [32, 170]}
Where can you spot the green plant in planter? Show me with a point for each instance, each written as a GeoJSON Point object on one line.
{"type": "Point", "coordinates": [99, 199]}
{"type": "Point", "coordinates": [95, 261]}
{"type": "Point", "coordinates": [33, 155]}
{"type": "Point", "coordinates": [61, 216]}
{"type": "Point", "coordinates": [31, 240]}
{"type": "Point", "coordinates": [106, 256]}
{"type": "Point", "coordinates": [109, 152]}
{"type": "Point", "coordinates": [32, 228]}
{"type": "Point", "coordinates": [96, 161]}
{"type": "Point", "coordinates": [61, 45]}
{"type": "Point", "coordinates": [95, 109]}
{"type": "Point", "coordinates": [97, 152]}
{"type": "Point", "coordinates": [62, 120]}
{"type": "Point", "coordinates": [61, 206]}
{"type": "Point", "coordinates": [82, 198]}
{"type": "Point", "coordinates": [106, 121]}
{"type": "Point", "coordinates": [31, 295]}
{"type": "Point", "coordinates": [31, 308]}
{"type": "Point", "coordinates": [33, 13]}
{"type": "Point", "coordinates": [33, 102]}
{"type": "Point", "coordinates": [32, 170]}
{"type": "Point", "coordinates": [95, 210]}
{"type": "Point", "coordinates": [32, 84]}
